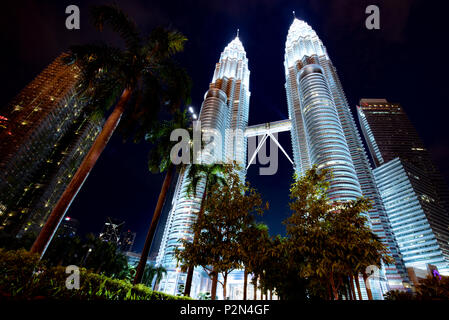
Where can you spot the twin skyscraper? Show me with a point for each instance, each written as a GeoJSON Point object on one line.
{"type": "Point", "coordinates": [323, 132]}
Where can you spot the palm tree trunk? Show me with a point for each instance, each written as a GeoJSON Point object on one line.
{"type": "Point", "coordinates": [154, 223]}
{"type": "Point", "coordinates": [329, 292]}
{"type": "Point", "coordinates": [190, 270]}
{"type": "Point", "coordinates": [271, 294]}
{"type": "Point", "coordinates": [351, 284]}
{"type": "Point", "coordinates": [214, 285]}
{"type": "Point", "coordinates": [245, 283]}
{"type": "Point", "coordinates": [357, 284]}
{"type": "Point", "coordinates": [61, 207]}
{"type": "Point", "coordinates": [334, 289]}
{"type": "Point", "coordinates": [368, 290]}
{"type": "Point", "coordinates": [225, 282]}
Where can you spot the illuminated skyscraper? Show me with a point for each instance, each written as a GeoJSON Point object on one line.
{"type": "Point", "coordinates": [44, 135]}
{"type": "Point", "coordinates": [324, 132]}
{"type": "Point", "coordinates": [413, 191]}
{"type": "Point", "coordinates": [225, 108]}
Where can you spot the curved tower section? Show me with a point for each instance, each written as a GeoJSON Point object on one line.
{"type": "Point", "coordinates": [223, 117]}
{"type": "Point", "coordinates": [317, 134]}
{"type": "Point", "coordinates": [321, 121]}
{"type": "Point", "coordinates": [324, 134]}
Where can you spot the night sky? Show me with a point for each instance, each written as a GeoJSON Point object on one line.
{"type": "Point", "coordinates": [405, 61]}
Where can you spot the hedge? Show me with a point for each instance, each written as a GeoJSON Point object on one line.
{"type": "Point", "coordinates": [25, 277]}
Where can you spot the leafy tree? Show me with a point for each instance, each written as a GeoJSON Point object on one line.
{"type": "Point", "coordinates": [434, 287]}
{"type": "Point", "coordinates": [141, 77]}
{"type": "Point", "coordinates": [227, 209]}
{"type": "Point", "coordinates": [333, 239]}
{"type": "Point", "coordinates": [254, 243]}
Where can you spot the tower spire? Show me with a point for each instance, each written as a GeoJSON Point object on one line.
{"type": "Point", "coordinates": [238, 32]}
{"type": "Point", "coordinates": [294, 14]}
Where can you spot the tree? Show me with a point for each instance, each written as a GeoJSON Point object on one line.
{"type": "Point", "coordinates": [210, 174]}
{"type": "Point", "coordinates": [159, 272]}
{"type": "Point", "coordinates": [159, 161]}
{"type": "Point", "coordinates": [434, 287]}
{"type": "Point", "coordinates": [253, 243]}
{"type": "Point", "coordinates": [142, 76]}
{"type": "Point", "coordinates": [334, 239]}
{"type": "Point", "coordinates": [227, 209]}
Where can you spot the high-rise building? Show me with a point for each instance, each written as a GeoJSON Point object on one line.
{"type": "Point", "coordinates": [389, 133]}
{"type": "Point", "coordinates": [111, 231]}
{"type": "Point", "coordinates": [68, 227]}
{"type": "Point", "coordinates": [44, 135]}
{"type": "Point", "coordinates": [127, 241]}
{"type": "Point", "coordinates": [419, 223]}
{"type": "Point", "coordinates": [225, 108]}
{"type": "Point", "coordinates": [414, 193]}
{"type": "Point", "coordinates": [324, 133]}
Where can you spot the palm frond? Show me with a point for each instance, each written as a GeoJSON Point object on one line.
{"type": "Point", "coordinates": [119, 22]}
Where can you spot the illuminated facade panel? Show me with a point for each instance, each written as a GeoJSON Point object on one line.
{"type": "Point", "coordinates": [324, 132]}
{"type": "Point", "coordinates": [44, 135]}
{"type": "Point", "coordinates": [225, 110]}
{"type": "Point", "coordinates": [418, 222]}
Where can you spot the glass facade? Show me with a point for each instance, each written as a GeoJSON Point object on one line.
{"type": "Point", "coordinates": [44, 135]}
{"type": "Point", "coordinates": [410, 203]}
{"type": "Point", "coordinates": [324, 133]}
{"type": "Point", "coordinates": [225, 111]}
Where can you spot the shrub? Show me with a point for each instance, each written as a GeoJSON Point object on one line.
{"type": "Point", "coordinates": [431, 288]}
{"type": "Point", "coordinates": [24, 276]}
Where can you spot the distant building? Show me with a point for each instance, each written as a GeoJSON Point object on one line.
{"type": "Point", "coordinates": [111, 231]}
{"type": "Point", "coordinates": [68, 227]}
{"type": "Point", "coordinates": [418, 222]}
{"type": "Point", "coordinates": [389, 133]}
{"type": "Point", "coordinates": [413, 191]}
{"type": "Point", "coordinates": [44, 135]}
{"type": "Point", "coordinates": [127, 241]}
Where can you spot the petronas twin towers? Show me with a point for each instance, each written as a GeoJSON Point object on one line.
{"type": "Point", "coordinates": [323, 132]}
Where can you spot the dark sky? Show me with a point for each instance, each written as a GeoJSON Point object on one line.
{"type": "Point", "coordinates": [405, 61]}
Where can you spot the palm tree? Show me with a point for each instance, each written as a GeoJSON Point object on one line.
{"type": "Point", "coordinates": [159, 161]}
{"type": "Point", "coordinates": [211, 174]}
{"type": "Point", "coordinates": [148, 275]}
{"type": "Point", "coordinates": [159, 272]}
{"type": "Point", "coordinates": [145, 74]}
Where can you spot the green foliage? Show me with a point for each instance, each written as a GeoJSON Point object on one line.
{"type": "Point", "coordinates": [397, 295]}
{"type": "Point", "coordinates": [24, 277]}
{"type": "Point", "coordinates": [159, 136]}
{"type": "Point", "coordinates": [204, 296]}
{"type": "Point", "coordinates": [328, 241]}
{"type": "Point", "coordinates": [228, 208]}
{"type": "Point", "coordinates": [431, 288]}
{"type": "Point", "coordinates": [104, 257]}
{"type": "Point", "coordinates": [144, 65]}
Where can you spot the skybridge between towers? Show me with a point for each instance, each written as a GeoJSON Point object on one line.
{"type": "Point", "coordinates": [267, 130]}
